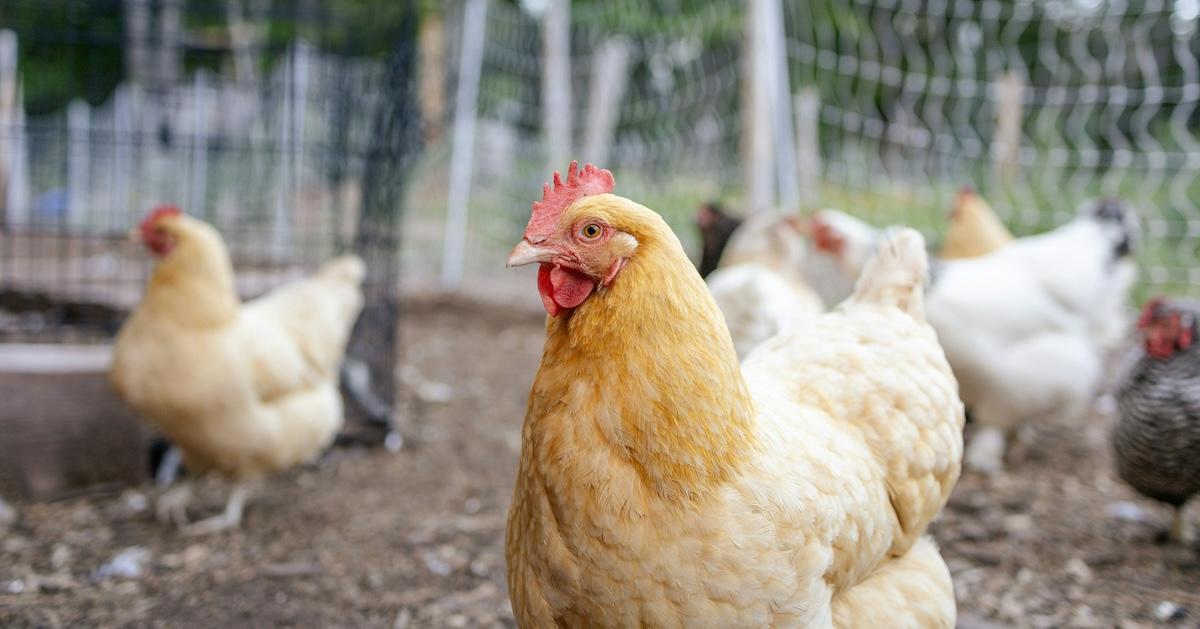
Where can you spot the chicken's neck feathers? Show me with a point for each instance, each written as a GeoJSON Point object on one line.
{"type": "Point", "coordinates": [646, 369]}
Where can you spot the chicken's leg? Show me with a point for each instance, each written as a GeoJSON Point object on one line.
{"type": "Point", "coordinates": [168, 469]}
{"type": "Point", "coordinates": [230, 518]}
{"type": "Point", "coordinates": [985, 451]}
{"type": "Point", "coordinates": [1182, 531]}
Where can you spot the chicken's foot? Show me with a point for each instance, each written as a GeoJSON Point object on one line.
{"type": "Point", "coordinates": [230, 518]}
{"type": "Point", "coordinates": [171, 506]}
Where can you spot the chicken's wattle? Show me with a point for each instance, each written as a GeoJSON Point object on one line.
{"type": "Point", "coordinates": [562, 288]}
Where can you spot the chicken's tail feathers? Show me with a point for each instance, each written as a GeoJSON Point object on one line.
{"type": "Point", "coordinates": [895, 276]}
{"type": "Point", "coordinates": [347, 268]}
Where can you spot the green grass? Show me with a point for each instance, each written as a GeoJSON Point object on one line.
{"type": "Point", "coordinates": [499, 212]}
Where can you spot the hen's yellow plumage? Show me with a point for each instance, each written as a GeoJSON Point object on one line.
{"type": "Point", "coordinates": [242, 389]}
{"type": "Point", "coordinates": [974, 228]}
{"type": "Point", "coordinates": [661, 484]}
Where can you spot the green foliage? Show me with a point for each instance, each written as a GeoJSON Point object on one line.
{"type": "Point", "coordinates": [67, 50]}
{"type": "Point", "coordinates": [76, 48]}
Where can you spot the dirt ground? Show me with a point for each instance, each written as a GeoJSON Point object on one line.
{"type": "Point", "coordinates": [373, 539]}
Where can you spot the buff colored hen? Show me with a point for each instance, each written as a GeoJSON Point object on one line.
{"type": "Point", "coordinates": [243, 390]}
{"type": "Point", "coordinates": [974, 228]}
{"type": "Point", "coordinates": [662, 484]}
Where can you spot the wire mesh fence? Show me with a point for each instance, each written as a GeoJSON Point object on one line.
{"type": "Point", "coordinates": [285, 125]}
{"type": "Point", "coordinates": [654, 96]}
{"type": "Point", "coordinates": [1038, 104]}
{"type": "Point", "coordinates": [287, 128]}
{"type": "Point", "coordinates": [1042, 104]}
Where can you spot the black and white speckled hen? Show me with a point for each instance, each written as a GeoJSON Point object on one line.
{"type": "Point", "coordinates": [1157, 436]}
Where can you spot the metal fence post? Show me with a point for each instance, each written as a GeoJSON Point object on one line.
{"type": "Point", "coordinates": [758, 159]}
{"type": "Point", "coordinates": [781, 105]}
{"type": "Point", "coordinates": [470, 63]}
{"type": "Point", "coordinates": [556, 82]}
{"type": "Point", "coordinates": [610, 72]}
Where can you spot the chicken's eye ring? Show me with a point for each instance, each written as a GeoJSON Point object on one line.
{"type": "Point", "coordinates": [591, 231]}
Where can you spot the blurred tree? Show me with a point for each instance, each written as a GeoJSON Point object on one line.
{"type": "Point", "coordinates": [85, 48]}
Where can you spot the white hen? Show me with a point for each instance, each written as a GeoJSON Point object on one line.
{"type": "Point", "coordinates": [841, 246]}
{"type": "Point", "coordinates": [760, 285]}
{"type": "Point", "coordinates": [1026, 328]}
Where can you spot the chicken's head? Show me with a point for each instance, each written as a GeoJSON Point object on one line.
{"type": "Point", "coordinates": [580, 246]}
{"type": "Point", "coordinates": [156, 230]}
{"type": "Point", "coordinates": [846, 239]}
{"type": "Point", "coordinates": [963, 202]}
{"type": "Point", "coordinates": [1166, 329]}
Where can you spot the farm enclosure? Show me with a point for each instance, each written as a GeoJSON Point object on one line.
{"type": "Point", "coordinates": [418, 137]}
{"type": "Point", "coordinates": [292, 137]}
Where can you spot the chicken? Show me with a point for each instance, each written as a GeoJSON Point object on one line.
{"type": "Point", "coordinates": [715, 227]}
{"type": "Point", "coordinates": [974, 228]}
{"type": "Point", "coordinates": [1157, 436]}
{"type": "Point", "coordinates": [760, 286]}
{"type": "Point", "coordinates": [242, 389]}
{"type": "Point", "coordinates": [841, 246]}
{"type": "Point", "coordinates": [663, 484]}
{"type": "Point", "coordinates": [1026, 328]}
{"type": "Point", "coordinates": [770, 278]}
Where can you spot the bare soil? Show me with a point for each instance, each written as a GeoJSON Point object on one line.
{"type": "Point", "coordinates": [369, 538]}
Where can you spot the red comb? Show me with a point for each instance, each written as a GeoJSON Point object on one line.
{"type": "Point", "coordinates": [580, 183]}
{"type": "Point", "coordinates": [152, 217]}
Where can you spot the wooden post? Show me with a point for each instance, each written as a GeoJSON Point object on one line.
{"type": "Point", "coordinates": [808, 143]}
{"type": "Point", "coordinates": [556, 82]}
{"type": "Point", "coordinates": [470, 64]}
{"type": "Point", "coordinates": [79, 115]}
{"type": "Point", "coordinates": [1006, 142]}
{"type": "Point", "coordinates": [756, 111]}
{"type": "Point", "coordinates": [244, 39]}
{"type": "Point", "coordinates": [170, 43]}
{"type": "Point", "coordinates": [610, 71]}
{"type": "Point", "coordinates": [432, 42]}
{"type": "Point", "coordinates": [136, 14]}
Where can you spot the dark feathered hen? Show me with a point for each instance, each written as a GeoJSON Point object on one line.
{"type": "Point", "coordinates": [716, 226]}
{"type": "Point", "coordinates": [1157, 436]}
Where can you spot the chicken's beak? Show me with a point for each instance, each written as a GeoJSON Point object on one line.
{"type": "Point", "coordinates": [526, 253]}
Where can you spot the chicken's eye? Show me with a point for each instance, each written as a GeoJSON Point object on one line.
{"type": "Point", "coordinates": [591, 231]}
